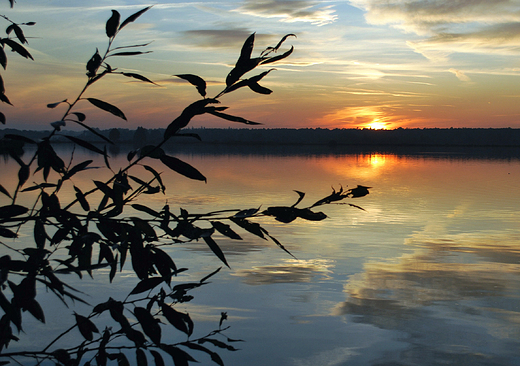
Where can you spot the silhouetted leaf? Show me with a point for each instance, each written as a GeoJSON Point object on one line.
{"type": "Point", "coordinates": [129, 53]}
{"type": "Point", "coordinates": [157, 358]}
{"type": "Point", "coordinates": [196, 81]}
{"type": "Point", "coordinates": [94, 132]}
{"type": "Point", "coordinates": [81, 116]}
{"type": "Point", "coordinates": [23, 175]}
{"type": "Point", "coordinates": [39, 186]}
{"type": "Point", "coordinates": [204, 279]}
{"type": "Point", "coordinates": [77, 168]}
{"type": "Point", "coordinates": [86, 327]}
{"type": "Point", "coordinates": [175, 318]}
{"type": "Point", "coordinates": [195, 108]}
{"type": "Point", "coordinates": [18, 31]}
{"type": "Point", "coordinates": [133, 17]}
{"type": "Point", "coordinates": [244, 62]}
{"type": "Point", "coordinates": [151, 151]}
{"type": "Point", "coordinates": [138, 77]}
{"type": "Point", "coordinates": [252, 227]}
{"type": "Point", "coordinates": [257, 88]}
{"type": "Point", "coordinates": [85, 144]}
{"type": "Point", "coordinates": [112, 24]}
{"type": "Point", "coordinates": [81, 199]}
{"type": "Point", "coordinates": [4, 99]}
{"type": "Point", "coordinates": [182, 168]}
{"type": "Point", "coordinates": [274, 49]}
{"type": "Point", "coordinates": [107, 107]}
{"type": "Point", "coordinates": [212, 244]}
{"type": "Point", "coordinates": [141, 357]}
{"type": "Point", "coordinates": [157, 177]}
{"type": "Point", "coordinates": [146, 285]}
{"type": "Point", "coordinates": [214, 356]}
{"type": "Point", "coordinates": [149, 324]}
{"type": "Point", "coordinates": [225, 229]}
{"type": "Point", "coordinates": [33, 307]}
{"type": "Point", "coordinates": [54, 105]}
{"type": "Point", "coordinates": [57, 125]}
{"type": "Point", "coordinates": [12, 211]}
{"type": "Point", "coordinates": [277, 58]}
{"type": "Point", "coordinates": [4, 191]}
{"type": "Point", "coordinates": [231, 118]}
{"type": "Point", "coordinates": [146, 209]}
{"type": "Point", "coordinates": [180, 357]}
{"type": "Point", "coordinates": [3, 58]}
{"type": "Point", "coordinates": [2, 116]}
{"type": "Point", "coordinates": [93, 64]}
{"type": "Point", "coordinates": [16, 47]}
{"type": "Point", "coordinates": [359, 191]}
{"type": "Point", "coordinates": [6, 233]}
{"type": "Point", "coordinates": [19, 138]}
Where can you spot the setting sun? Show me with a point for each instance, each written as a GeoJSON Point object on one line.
{"type": "Point", "coordinates": [377, 125]}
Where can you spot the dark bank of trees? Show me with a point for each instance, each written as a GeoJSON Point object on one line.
{"type": "Point", "coordinates": [460, 137]}
{"type": "Point", "coordinates": [52, 228]}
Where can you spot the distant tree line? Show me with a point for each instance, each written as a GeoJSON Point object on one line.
{"type": "Point", "coordinates": [309, 136]}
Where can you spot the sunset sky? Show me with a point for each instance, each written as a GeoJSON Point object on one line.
{"type": "Point", "coordinates": [356, 64]}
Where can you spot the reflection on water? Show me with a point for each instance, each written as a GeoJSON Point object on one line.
{"type": "Point", "coordinates": [429, 274]}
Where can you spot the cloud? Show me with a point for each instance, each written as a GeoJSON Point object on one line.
{"type": "Point", "coordinates": [290, 11]}
{"type": "Point", "coordinates": [472, 26]}
{"type": "Point", "coordinates": [460, 75]}
{"type": "Point", "coordinates": [222, 38]}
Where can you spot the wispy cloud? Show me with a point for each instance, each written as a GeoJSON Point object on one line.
{"type": "Point", "coordinates": [290, 11]}
{"type": "Point", "coordinates": [460, 75]}
{"type": "Point", "coordinates": [450, 26]}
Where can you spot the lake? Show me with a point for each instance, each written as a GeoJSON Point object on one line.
{"type": "Point", "coordinates": [427, 274]}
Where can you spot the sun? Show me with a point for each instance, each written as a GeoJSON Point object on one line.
{"type": "Point", "coordinates": [376, 124]}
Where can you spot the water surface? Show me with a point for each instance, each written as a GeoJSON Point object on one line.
{"type": "Point", "coordinates": [427, 274]}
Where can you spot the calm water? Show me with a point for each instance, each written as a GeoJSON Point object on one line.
{"type": "Point", "coordinates": [429, 274]}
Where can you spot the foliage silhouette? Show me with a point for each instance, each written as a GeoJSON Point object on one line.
{"type": "Point", "coordinates": [67, 237]}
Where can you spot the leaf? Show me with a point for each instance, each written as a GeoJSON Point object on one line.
{"type": "Point", "coordinates": [157, 177]}
{"type": "Point", "coordinates": [3, 58]}
{"type": "Point", "coordinates": [85, 144]}
{"type": "Point", "coordinates": [17, 48]}
{"type": "Point", "coordinates": [157, 358]}
{"type": "Point", "coordinates": [214, 356]}
{"type": "Point", "coordinates": [252, 227]}
{"type": "Point", "coordinates": [231, 118]}
{"type": "Point", "coordinates": [54, 105]}
{"type": "Point", "coordinates": [23, 174]}
{"type": "Point", "coordinates": [244, 62]}
{"type": "Point", "coordinates": [4, 191]}
{"type": "Point", "coordinates": [40, 186]}
{"type": "Point", "coordinates": [277, 58]}
{"type": "Point", "coordinates": [107, 107]}
{"type": "Point", "coordinates": [182, 168]}
{"type": "Point", "coordinates": [226, 230]}
{"type": "Point", "coordinates": [141, 357]}
{"type": "Point", "coordinates": [19, 138]}
{"type": "Point", "coordinates": [77, 168]}
{"type": "Point", "coordinates": [146, 285]}
{"type": "Point", "coordinates": [86, 327]}
{"type": "Point", "coordinates": [4, 99]}
{"type": "Point", "coordinates": [93, 64]}
{"type": "Point", "coordinates": [2, 116]}
{"type": "Point", "coordinates": [81, 116]}
{"type": "Point", "coordinates": [196, 81]}
{"type": "Point", "coordinates": [18, 31]}
{"type": "Point", "coordinates": [6, 233]}
{"type": "Point", "coordinates": [149, 324]}
{"type": "Point", "coordinates": [129, 53]}
{"type": "Point", "coordinates": [112, 24]}
{"type": "Point", "coordinates": [12, 211]}
{"type": "Point", "coordinates": [33, 307]}
{"type": "Point", "coordinates": [204, 279]}
{"type": "Point", "coordinates": [133, 17]}
{"type": "Point", "coordinates": [257, 88]}
{"type": "Point", "coordinates": [212, 244]}
{"type": "Point", "coordinates": [138, 77]}
{"type": "Point", "coordinates": [82, 200]}
{"type": "Point", "coordinates": [175, 318]}
{"type": "Point", "coordinates": [146, 209]}
{"type": "Point", "coordinates": [94, 132]}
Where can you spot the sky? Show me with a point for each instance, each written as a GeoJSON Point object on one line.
{"type": "Point", "coordinates": [356, 64]}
